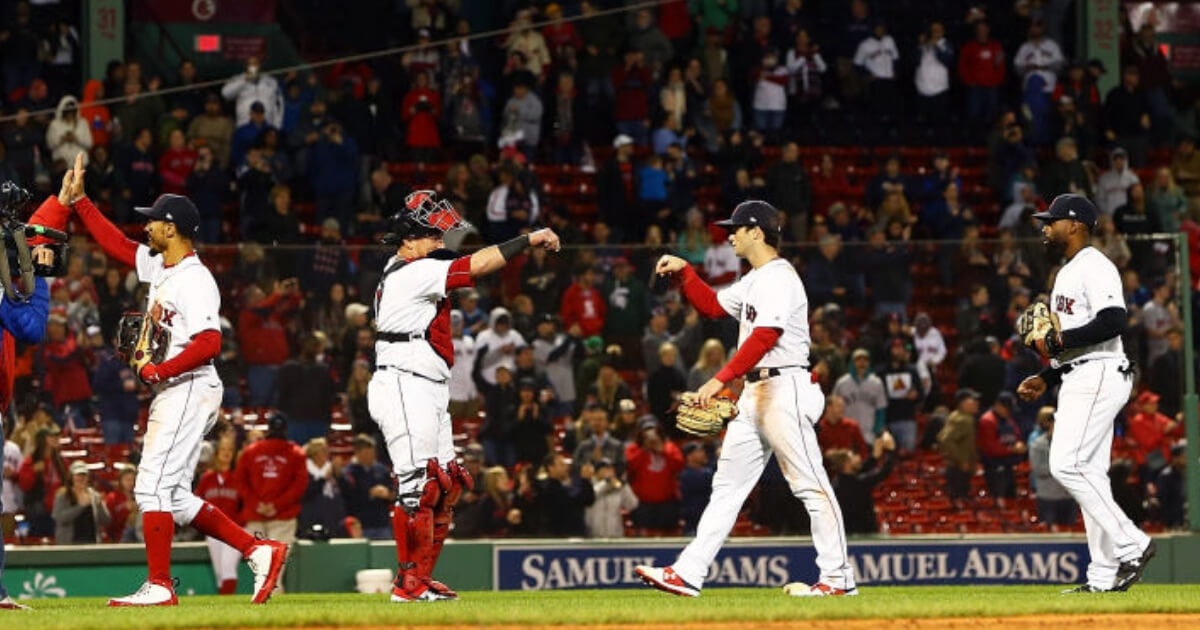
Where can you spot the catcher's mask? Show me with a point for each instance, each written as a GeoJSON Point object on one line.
{"type": "Point", "coordinates": [423, 215]}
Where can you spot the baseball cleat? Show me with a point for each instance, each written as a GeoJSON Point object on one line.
{"type": "Point", "coordinates": [820, 589]}
{"type": "Point", "coordinates": [409, 588]}
{"type": "Point", "coordinates": [1083, 588]}
{"type": "Point", "coordinates": [152, 593]}
{"type": "Point", "coordinates": [665, 579]}
{"type": "Point", "coordinates": [437, 588]}
{"type": "Point", "coordinates": [1130, 571]}
{"type": "Point", "coordinates": [9, 603]}
{"type": "Point", "coordinates": [266, 562]}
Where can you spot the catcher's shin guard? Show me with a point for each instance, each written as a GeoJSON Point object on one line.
{"type": "Point", "coordinates": [412, 517]}
{"type": "Point", "coordinates": [443, 515]}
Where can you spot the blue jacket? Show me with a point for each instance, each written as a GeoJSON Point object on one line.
{"type": "Point", "coordinates": [108, 383]}
{"type": "Point", "coordinates": [27, 320]}
{"type": "Point", "coordinates": [334, 167]}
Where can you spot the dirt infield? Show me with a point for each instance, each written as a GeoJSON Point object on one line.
{"type": "Point", "coordinates": [1026, 622]}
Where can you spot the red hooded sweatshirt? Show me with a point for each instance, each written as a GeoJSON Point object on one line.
{"type": "Point", "coordinates": [654, 477]}
{"type": "Point", "coordinates": [271, 471]}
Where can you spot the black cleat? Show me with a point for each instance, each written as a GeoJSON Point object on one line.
{"type": "Point", "coordinates": [1129, 573]}
{"type": "Point", "coordinates": [1083, 588]}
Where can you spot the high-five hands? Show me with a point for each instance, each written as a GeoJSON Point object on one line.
{"type": "Point", "coordinates": [72, 185]}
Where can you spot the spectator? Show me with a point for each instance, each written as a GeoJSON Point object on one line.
{"type": "Point", "coordinates": [1134, 218]}
{"type": "Point", "coordinates": [218, 487]}
{"type": "Point", "coordinates": [19, 49]}
{"type": "Point", "coordinates": [1150, 434]}
{"type": "Point", "coordinates": [80, 514]}
{"type": "Point", "coordinates": [1127, 117]}
{"type": "Point", "coordinates": [561, 500]}
{"type": "Point", "coordinates": [770, 96]}
{"type": "Point", "coordinates": [865, 395]}
{"type": "Point", "coordinates": [1185, 166]}
{"type": "Point", "coordinates": [66, 372]}
{"type": "Point", "coordinates": [558, 353]}
{"type": "Point", "coordinates": [116, 389]}
{"type": "Point", "coordinates": [836, 431]}
{"type": "Point", "coordinates": [826, 356]}
{"type": "Point", "coordinates": [122, 507]}
{"type": "Point", "coordinates": [69, 134]}
{"type": "Point", "coordinates": [658, 333]}
{"type": "Point", "coordinates": [492, 508]}
{"type": "Point", "coordinates": [1112, 187]}
{"type": "Point", "coordinates": [626, 310]}
{"type": "Point", "coordinates": [463, 395]}
{"type": "Point", "coordinates": [368, 490]}
{"type": "Point", "coordinates": [853, 486]}
{"type": "Point", "coordinates": [421, 110]}
{"type": "Point", "coordinates": [247, 135]}
{"type": "Point", "coordinates": [982, 369]}
{"type": "Point", "coordinates": [646, 38]}
{"type": "Point", "coordinates": [929, 343]}
{"type": "Point", "coordinates": [904, 393]}
{"type": "Point", "coordinates": [263, 338]}
{"type": "Point", "coordinates": [708, 363]}
{"type": "Point", "coordinates": [788, 187]}
{"type": "Point", "coordinates": [323, 510]}
{"type": "Point", "coordinates": [497, 346]}
{"type": "Point", "coordinates": [42, 474]}
{"type": "Point", "coordinates": [1159, 316]}
{"type": "Point", "coordinates": [1172, 494]}
{"type": "Point", "coordinates": [982, 67]}
{"type": "Point", "coordinates": [272, 479]}
{"type": "Point", "coordinates": [206, 185]}
{"type": "Point", "coordinates": [334, 168]}
{"type": "Point", "coordinates": [605, 518]}
{"type": "Point", "coordinates": [253, 87]}
{"type": "Point", "coordinates": [936, 57]}
{"type": "Point", "coordinates": [599, 444]}
{"type": "Point", "coordinates": [137, 174]}
{"type": "Point", "coordinates": [1000, 446]}
{"type": "Point", "coordinates": [695, 486]}
{"type": "Point", "coordinates": [877, 56]}
{"type": "Point", "coordinates": [522, 116]}
{"type": "Point", "coordinates": [530, 43]}
{"type": "Point", "coordinates": [176, 163]}
{"type": "Point", "coordinates": [607, 389]}
{"type": "Point", "coordinates": [1039, 56]}
{"type": "Point", "coordinates": [666, 383]}
{"type": "Point", "coordinates": [583, 304]}
{"type": "Point", "coordinates": [567, 120]}
{"type": "Point", "coordinates": [306, 392]}
{"type": "Point", "coordinates": [829, 273]}
{"type": "Point", "coordinates": [806, 69]}
{"type": "Point", "coordinates": [1165, 373]}
{"type": "Point", "coordinates": [601, 37]}
{"type": "Point", "coordinates": [500, 400]}
{"type": "Point", "coordinates": [10, 491]}
{"type": "Point", "coordinates": [631, 83]}
{"type": "Point", "coordinates": [279, 226]}
{"type": "Point", "coordinates": [655, 463]}
{"type": "Point", "coordinates": [511, 207]}
{"type": "Point", "coordinates": [956, 441]}
{"type": "Point", "coordinates": [1166, 201]}
{"type": "Point", "coordinates": [1055, 505]}
{"type": "Point", "coordinates": [1066, 173]}
{"type": "Point", "coordinates": [214, 129]}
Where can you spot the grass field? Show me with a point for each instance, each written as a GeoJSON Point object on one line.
{"type": "Point", "coordinates": [750, 607]}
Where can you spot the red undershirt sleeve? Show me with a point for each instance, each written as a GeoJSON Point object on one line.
{"type": "Point", "coordinates": [106, 234]}
{"type": "Point", "coordinates": [51, 214]}
{"type": "Point", "coordinates": [700, 295]}
{"type": "Point", "coordinates": [203, 347]}
{"type": "Point", "coordinates": [749, 354]}
{"type": "Point", "coordinates": [459, 276]}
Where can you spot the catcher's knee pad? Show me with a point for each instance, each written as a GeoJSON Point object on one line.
{"type": "Point", "coordinates": [421, 488]}
{"type": "Point", "coordinates": [460, 480]}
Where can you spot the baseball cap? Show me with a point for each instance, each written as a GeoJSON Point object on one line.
{"type": "Point", "coordinates": [1147, 397]}
{"type": "Point", "coordinates": [355, 309]}
{"type": "Point", "coordinates": [626, 405]}
{"type": "Point", "coordinates": [526, 383]}
{"type": "Point", "coordinates": [175, 209]}
{"type": "Point", "coordinates": [622, 140]}
{"type": "Point", "coordinates": [258, 107]}
{"type": "Point", "coordinates": [964, 394]}
{"type": "Point", "coordinates": [860, 352]}
{"type": "Point", "coordinates": [1119, 152]}
{"type": "Point", "coordinates": [753, 213]}
{"type": "Point", "coordinates": [1070, 206]}
{"type": "Point", "coordinates": [1008, 399]}
{"type": "Point", "coordinates": [647, 421]}
{"type": "Point", "coordinates": [277, 423]}
{"type": "Point", "coordinates": [79, 468]}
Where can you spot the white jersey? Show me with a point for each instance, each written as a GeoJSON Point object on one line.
{"type": "Point", "coordinates": [1086, 285]}
{"type": "Point", "coordinates": [462, 386]}
{"type": "Point", "coordinates": [412, 299]}
{"type": "Point", "coordinates": [771, 296]}
{"type": "Point", "coordinates": [183, 298]}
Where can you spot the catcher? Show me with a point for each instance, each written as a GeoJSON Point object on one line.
{"type": "Point", "coordinates": [778, 407]}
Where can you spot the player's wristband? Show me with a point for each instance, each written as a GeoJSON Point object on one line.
{"type": "Point", "coordinates": [512, 247]}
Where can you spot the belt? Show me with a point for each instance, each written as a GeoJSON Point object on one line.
{"type": "Point", "coordinates": [1127, 370]}
{"type": "Point", "coordinates": [762, 374]}
{"type": "Point", "coordinates": [400, 369]}
{"type": "Point", "coordinates": [395, 337]}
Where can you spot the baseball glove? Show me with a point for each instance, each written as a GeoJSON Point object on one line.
{"type": "Point", "coordinates": [1040, 330]}
{"type": "Point", "coordinates": [140, 341]}
{"type": "Point", "coordinates": [693, 418]}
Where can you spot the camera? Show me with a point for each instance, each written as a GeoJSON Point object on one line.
{"type": "Point", "coordinates": [13, 201]}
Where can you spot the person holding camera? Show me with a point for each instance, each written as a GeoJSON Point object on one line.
{"type": "Point", "coordinates": [253, 86]}
{"type": "Point", "coordinates": [333, 169]}
{"type": "Point", "coordinates": [421, 110]}
{"type": "Point", "coordinates": [80, 514]}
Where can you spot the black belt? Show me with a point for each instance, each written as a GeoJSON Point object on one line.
{"type": "Point", "coordinates": [762, 374]}
{"type": "Point", "coordinates": [1067, 368]}
{"type": "Point", "coordinates": [395, 337]}
{"type": "Point", "coordinates": [416, 374]}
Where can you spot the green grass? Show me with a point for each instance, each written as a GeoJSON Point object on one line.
{"type": "Point", "coordinates": [580, 607]}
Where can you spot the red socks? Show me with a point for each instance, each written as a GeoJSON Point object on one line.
{"type": "Point", "coordinates": [158, 530]}
{"type": "Point", "coordinates": [227, 587]}
{"type": "Point", "coordinates": [213, 522]}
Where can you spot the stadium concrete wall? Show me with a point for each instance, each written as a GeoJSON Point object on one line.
{"type": "Point", "coordinates": [97, 571]}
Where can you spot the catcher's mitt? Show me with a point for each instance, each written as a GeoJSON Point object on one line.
{"type": "Point", "coordinates": [141, 341]}
{"type": "Point", "coordinates": [1039, 329]}
{"type": "Point", "coordinates": [693, 418]}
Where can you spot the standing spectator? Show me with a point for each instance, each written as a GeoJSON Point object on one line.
{"type": "Point", "coordinates": [333, 166]}
{"type": "Point", "coordinates": [532, 433]}
{"type": "Point", "coordinates": [658, 333]}
{"type": "Point", "coordinates": [214, 129]}
{"type": "Point", "coordinates": [10, 492]}
{"type": "Point", "coordinates": [558, 353]}
{"type": "Point", "coordinates": [981, 68]}
{"type": "Point", "coordinates": [511, 207]}
{"type": "Point", "coordinates": [137, 174]}
{"type": "Point", "coordinates": [956, 441]}
{"type": "Point", "coordinates": [42, 474]}
{"type": "Point", "coordinates": [306, 392]}
{"type": "Point", "coordinates": [19, 49]}
{"type": "Point", "coordinates": [1127, 117]}
{"type": "Point", "coordinates": [323, 511]}
{"type": "Point", "coordinates": [789, 189]}
{"type": "Point", "coordinates": [613, 497]}
{"type": "Point", "coordinates": [247, 135]}
{"type": "Point", "coordinates": [806, 70]}
{"type": "Point", "coordinates": [497, 346]}
{"type": "Point", "coordinates": [23, 140]}
{"type": "Point", "coordinates": [631, 83]}
{"type": "Point", "coordinates": [263, 338]}
{"type": "Point", "coordinates": [1165, 376]}
{"type": "Point", "coordinates": [837, 431]}
{"type": "Point", "coordinates": [1166, 201]}
{"type": "Point", "coordinates": [80, 514]}
{"type": "Point", "coordinates": [617, 187]}
{"type": "Point", "coordinates": [66, 373]}
{"type": "Point", "coordinates": [530, 43]}
{"type": "Point", "coordinates": [930, 345]}
{"type": "Point", "coordinates": [853, 486]}
{"type": "Point", "coordinates": [567, 120]}
{"type": "Point", "coordinates": [598, 58]}
{"type": "Point", "coordinates": [522, 116]}
{"type": "Point", "coordinates": [176, 163]}
{"type": "Point", "coordinates": [122, 507]}
{"type": "Point", "coordinates": [561, 500]}
{"type": "Point", "coordinates": [1001, 446]}
{"type": "Point", "coordinates": [626, 310]}
{"type": "Point", "coordinates": [583, 304]}
{"type": "Point", "coordinates": [1154, 72]}
{"type": "Point", "coordinates": [877, 56]}
{"type": "Point", "coordinates": [600, 443]}
{"type": "Point", "coordinates": [218, 487]}
{"type": "Point", "coordinates": [1150, 434]}
{"type": "Point", "coordinates": [932, 79]}
{"type": "Point", "coordinates": [982, 369]}
{"type": "Point", "coordinates": [770, 96]}
{"type": "Point", "coordinates": [1159, 316]}
{"type": "Point", "coordinates": [655, 463]}
{"type": "Point", "coordinates": [1172, 495]}
{"type": "Point", "coordinates": [856, 29]}
{"type": "Point", "coordinates": [646, 38]}
{"type": "Point", "coordinates": [1039, 56]}
{"type": "Point", "coordinates": [206, 185]}
{"type": "Point", "coordinates": [500, 400]}
{"type": "Point", "coordinates": [422, 109]}
{"type": "Point", "coordinates": [272, 477]}
{"type": "Point", "coordinates": [463, 395]}
{"type": "Point", "coordinates": [251, 87]}
{"type": "Point", "coordinates": [1054, 504]}
{"type": "Point", "coordinates": [666, 382]}
{"type": "Point", "coordinates": [695, 486]}
{"type": "Point", "coordinates": [1112, 187]}
{"type": "Point", "coordinates": [116, 389]}
{"type": "Point", "coordinates": [865, 395]}
{"type": "Point", "coordinates": [904, 393]}
{"type": "Point", "coordinates": [708, 362]}
{"type": "Point", "coordinates": [1066, 173]}
{"type": "Point", "coordinates": [368, 490]}
{"type": "Point", "coordinates": [829, 273]}
{"type": "Point", "coordinates": [69, 134]}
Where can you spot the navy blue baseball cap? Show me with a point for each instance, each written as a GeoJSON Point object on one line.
{"type": "Point", "coordinates": [1073, 207]}
{"type": "Point", "coordinates": [753, 213]}
{"type": "Point", "coordinates": [176, 209]}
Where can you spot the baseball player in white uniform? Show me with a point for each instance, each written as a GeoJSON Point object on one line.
{"type": "Point", "coordinates": [1088, 359]}
{"type": "Point", "coordinates": [183, 298]}
{"type": "Point", "coordinates": [408, 394]}
{"type": "Point", "coordinates": [778, 408]}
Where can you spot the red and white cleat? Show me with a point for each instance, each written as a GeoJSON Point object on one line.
{"type": "Point", "coordinates": [266, 559]}
{"type": "Point", "coordinates": [440, 590]}
{"type": "Point", "coordinates": [152, 593]}
{"type": "Point", "coordinates": [9, 603]}
{"type": "Point", "coordinates": [820, 589]}
{"type": "Point", "coordinates": [665, 579]}
{"type": "Point", "coordinates": [409, 588]}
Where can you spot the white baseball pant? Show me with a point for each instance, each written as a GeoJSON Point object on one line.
{"type": "Point", "coordinates": [225, 560]}
{"type": "Point", "coordinates": [413, 414]}
{"type": "Point", "coordinates": [775, 415]}
{"type": "Point", "coordinates": [180, 416]}
{"type": "Point", "coordinates": [1089, 399]}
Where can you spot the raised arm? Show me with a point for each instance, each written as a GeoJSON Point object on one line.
{"type": "Point", "coordinates": [111, 240]}
{"type": "Point", "coordinates": [493, 258]}
{"type": "Point", "coordinates": [698, 293]}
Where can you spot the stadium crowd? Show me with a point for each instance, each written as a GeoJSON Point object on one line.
{"type": "Point", "coordinates": [566, 369]}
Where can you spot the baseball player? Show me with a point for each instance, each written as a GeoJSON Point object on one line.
{"type": "Point", "coordinates": [1088, 361]}
{"type": "Point", "coordinates": [183, 299]}
{"type": "Point", "coordinates": [777, 409]}
{"type": "Point", "coordinates": [408, 395]}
